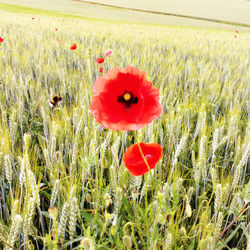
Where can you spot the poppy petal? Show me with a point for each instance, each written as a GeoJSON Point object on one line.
{"type": "Point", "coordinates": [73, 46]}
{"type": "Point", "coordinates": [99, 60]}
{"type": "Point", "coordinates": [134, 161]}
{"type": "Point", "coordinates": [108, 52]}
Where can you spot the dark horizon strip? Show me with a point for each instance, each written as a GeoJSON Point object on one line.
{"type": "Point", "coordinates": [166, 13]}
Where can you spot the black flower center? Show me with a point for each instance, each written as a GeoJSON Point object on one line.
{"type": "Point", "coordinates": [127, 98]}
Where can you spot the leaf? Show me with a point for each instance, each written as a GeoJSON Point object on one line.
{"type": "Point", "coordinates": [126, 205]}
{"type": "Point", "coordinates": [232, 234]}
{"type": "Point", "coordinates": [87, 216]}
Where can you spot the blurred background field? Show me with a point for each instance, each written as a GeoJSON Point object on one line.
{"type": "Point", "coordinates": [232, 11]}
{"type": "Point", "coordinates": [73, 164]}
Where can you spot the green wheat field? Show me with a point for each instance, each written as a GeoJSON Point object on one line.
{"type": "Point", "coordinates": [64, 185]}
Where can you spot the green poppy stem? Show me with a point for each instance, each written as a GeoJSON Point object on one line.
{"type": "Point", "coordinates": [143, 157]}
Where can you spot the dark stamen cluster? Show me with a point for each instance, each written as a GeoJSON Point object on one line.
{"type": "Point", "coordinates": [127, 103]}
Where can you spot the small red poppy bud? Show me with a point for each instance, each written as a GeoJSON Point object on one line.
{"type": "Point", "coordinates": [160, 194]}
{"type": "Point", "coordinates": [101, 70]}
{"type": "Point", "coordinates": [107, 200]}
{"type": "Point", "coordinates": [87, 243]}
{"type": "Point", "coordinates": [113, 229]}
{"type": "Point", "coordinates": [134, 194]}
{"type": "Point", "coordinates": [127, 241]}
{"type": "Point", "coordinates": [88, 198]}
{"type": "Point", "coordinates": [161, 220]}
{"type": "Point", "coordinates": [84, 242]}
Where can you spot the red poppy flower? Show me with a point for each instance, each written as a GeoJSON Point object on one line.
{"type": "Point", "coordinates": [1, 39]}
{"type": "Point", "coordinates": [235, 36]}
{"type": "Point", "coordinates": [134, 161]}
{"type": "Point", "coordinates": [108, 52]}
{"type": "Point", "coordinates": [99, 60]}
{"type": "Point", "coordinates": [33, 18]}
{"type": "Point", "coordinates": [123, 99]}
{"type": "Point", "coordinates": [56, 29]}
{"type": "Point", "coordinates": [101, 70]}
{"type": "Point", "coordinates": [236, 31]}
{"type": "Point", "coordinates": [73, 46]}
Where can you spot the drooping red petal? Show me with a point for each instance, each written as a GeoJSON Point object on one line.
{"type": "Point", "coordinates": [99, 60]}
{"type": "Point", "coordinates": [1, 40]}
{"type": "Point", "coordinates": [134, 161]}
{"type": "Point", "coordinates": [117, 115]}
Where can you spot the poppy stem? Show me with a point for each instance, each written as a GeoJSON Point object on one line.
{"type": "Point", "coordinates": [146, 206]}
{"type": "Point", "coordinates": [146, 191]}
{"type": "Point", "coordinates": [145, 160]}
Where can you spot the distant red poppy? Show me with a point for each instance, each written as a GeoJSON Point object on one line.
{"type": "Point", "coordinates": [1, 39]}
{"type": "Point", "coordinates": [236, 31]}
{"type": "Point", "coordinates": [134, 161]}
{"type": "Point", "coordinates": [56, 29]}
{"type": "Point", "coordinates": [73, 46]}
{"type": "Point", "coordinates": [235, 36]}
{"type": "Point", "coordinates": [33, 18]}
{"type": "Point", "coordinates": [123, 99]}
{"type": "Point", "coordinates": [101, 70]}
{"type": "Point", "coordinates": [99, 60]}
{"type": "Point", "coordinates": [108, 52]}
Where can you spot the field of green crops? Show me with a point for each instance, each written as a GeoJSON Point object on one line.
{"type": "Point", "coordinates": [64, 185]}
